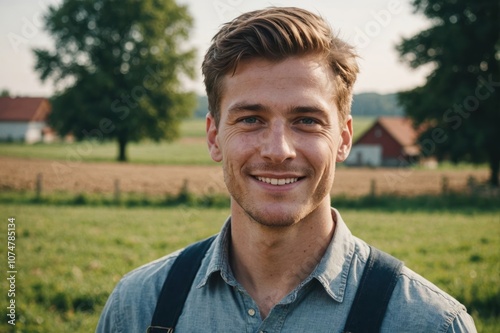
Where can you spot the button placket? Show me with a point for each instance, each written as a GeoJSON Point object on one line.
{"type": "Point", "coordinates": [252, 318]}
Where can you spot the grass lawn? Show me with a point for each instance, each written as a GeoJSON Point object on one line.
{"type": "Point", "coordinates": [70, 258]}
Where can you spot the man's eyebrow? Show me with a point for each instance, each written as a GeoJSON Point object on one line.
{"type": "Point", "coordinates": [308, 109]}
{"type": "Point", "coordinates": [240, 107]}
{"type": "Point", "coordinates": [257, 107]}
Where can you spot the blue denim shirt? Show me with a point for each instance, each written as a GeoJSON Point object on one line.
{"type": "Point", "coordinates": [320, 303]}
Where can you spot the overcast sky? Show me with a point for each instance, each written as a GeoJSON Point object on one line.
{"type": "Point", "coordinates": [373, 26]}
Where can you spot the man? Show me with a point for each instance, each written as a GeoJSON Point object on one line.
{"type": "Point", "coordinates": [279, 85]}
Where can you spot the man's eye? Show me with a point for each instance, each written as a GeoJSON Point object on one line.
{"type": "Point", "coordinates": [308, 121]}
{"type": "Point", "coordinates": [249, 120]}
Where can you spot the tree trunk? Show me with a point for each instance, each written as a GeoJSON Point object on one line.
{"type": "Point", "coordinates": [122, 146]}
{"type": "Point", "coordinates": [494, 169]}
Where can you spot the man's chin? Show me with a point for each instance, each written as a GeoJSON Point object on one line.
{"type": "Point", "coordinates": [274, 218]}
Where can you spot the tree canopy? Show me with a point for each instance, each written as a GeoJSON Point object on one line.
{"type": "Point", "coordinates": [459, 105]}
{"type": "Point", "coordinates": [118, 67]}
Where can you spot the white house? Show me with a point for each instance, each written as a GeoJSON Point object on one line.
{"type": "Point", "coordinates": [25, 119]}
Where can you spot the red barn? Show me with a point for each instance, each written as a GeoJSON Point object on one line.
{"type": "Point", "coordinates": [24, 119]}
{"type": "Point", "coordinates": [390, 141]}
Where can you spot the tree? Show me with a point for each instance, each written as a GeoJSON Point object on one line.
{"type": "Point", "coordinates": [118, 67]}
{"type": "Point", "coordinates": [459, 105]}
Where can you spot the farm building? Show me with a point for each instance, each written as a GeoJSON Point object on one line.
{"type": "Point", "coordinates": [25, 119]}
{"type": "Point", "coordinates": [390, 141]}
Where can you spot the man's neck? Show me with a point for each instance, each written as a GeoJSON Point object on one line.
{"type": "Point", "coordinates": [269, 262]}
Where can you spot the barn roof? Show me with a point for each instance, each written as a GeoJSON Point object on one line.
{"type": "Point", "coordinates": [401, 130]}
{"type": "Point", "coordinates": [24, 108]}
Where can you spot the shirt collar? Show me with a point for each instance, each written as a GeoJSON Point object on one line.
{"type": "Point", "coordinates": [219, 257]}
{"type": "Point", "coordinates": [332, 270]}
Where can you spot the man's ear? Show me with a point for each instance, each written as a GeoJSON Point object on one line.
{"type": "Point", "coordinates": [345, 140]}
{"type": "Point", "coordinates": [212, 139]}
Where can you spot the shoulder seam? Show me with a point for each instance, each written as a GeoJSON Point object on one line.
{"type": "Point", "coordinates": [454, 309]}
{"type": "Point", "coordinates": [115, 305]}
{"type": "Point", "coordinates": [435, 290]}
{"type": "Point", "coordinates": [160, 261]}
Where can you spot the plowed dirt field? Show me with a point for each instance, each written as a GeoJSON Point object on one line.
{"type": "Point", "coordinates": [21, 174]}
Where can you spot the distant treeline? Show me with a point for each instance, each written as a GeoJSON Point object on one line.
{"type": "Point", "coordinates": [364, 104]}
{"type": "Point", "coordinates": [375, 105]}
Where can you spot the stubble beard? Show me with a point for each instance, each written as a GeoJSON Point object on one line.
{"type": "Point", "coordinates": [242, 197]}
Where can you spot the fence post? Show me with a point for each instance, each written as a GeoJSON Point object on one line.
{"type": "Point", "coordinates": [184, 195]}
{"type": "Point", "coordinates": [373, 187]}
{"type": "Point", "coordinates": [117, 191]}
{"type": "Point", "coordinates": [444, 185]}
{"type": "Point", "coordinates": [39, 185]}
{"type": "Point", "coordinates": [471, 184]}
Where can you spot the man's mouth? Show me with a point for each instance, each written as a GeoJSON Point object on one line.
{"type": "Point", "coordinates": [277, 181]}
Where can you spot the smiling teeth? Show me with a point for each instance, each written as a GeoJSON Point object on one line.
{"type": "Point", "coordinates": [276, 181]}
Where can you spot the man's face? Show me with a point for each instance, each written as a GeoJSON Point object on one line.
{"type": "Point", "coordinates": [279, 138]}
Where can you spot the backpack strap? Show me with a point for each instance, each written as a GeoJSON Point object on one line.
{"type": "Point", "coordinates": [374, 292]}
{"type": "Point", "coordinates": [176, 287]}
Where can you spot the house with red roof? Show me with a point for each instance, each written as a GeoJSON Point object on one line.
{"type": "Point", "coordinates": [390, 141]}
{"type": "Point", "coordinates": [25, 119]}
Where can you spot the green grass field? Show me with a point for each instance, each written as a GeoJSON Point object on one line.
{"type": "Point", "coordinates": [69, 258]}
{"type": "Point", "coordinates": [180, 152]}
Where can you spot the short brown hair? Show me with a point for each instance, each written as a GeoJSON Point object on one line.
{"type": "Point", "coordinates": [277, 33]}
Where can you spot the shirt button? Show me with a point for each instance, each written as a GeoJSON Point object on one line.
{"type": "Point", "coordinates": [251, 312]}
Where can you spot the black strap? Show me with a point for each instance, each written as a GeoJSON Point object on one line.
{"type": "Point", "coordinates": [367, 311]}
{"type": "Point", "coordinates": [374, 292]}
{"type": "Point", "coordinates": [176, 287]}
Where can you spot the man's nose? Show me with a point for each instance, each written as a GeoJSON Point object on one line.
{"type": "Point", "coordinates": [277, 145]}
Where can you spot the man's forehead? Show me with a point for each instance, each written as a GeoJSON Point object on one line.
{"type": "Point", "coordinates": [298, 81]}
{"type": "Point", "coordinates": [261, 64]}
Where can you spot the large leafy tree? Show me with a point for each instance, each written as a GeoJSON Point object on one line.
{"type": "Point", "coordinates": [459, 105]}
{"type": "Point", "coordinates": [118, 67]}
